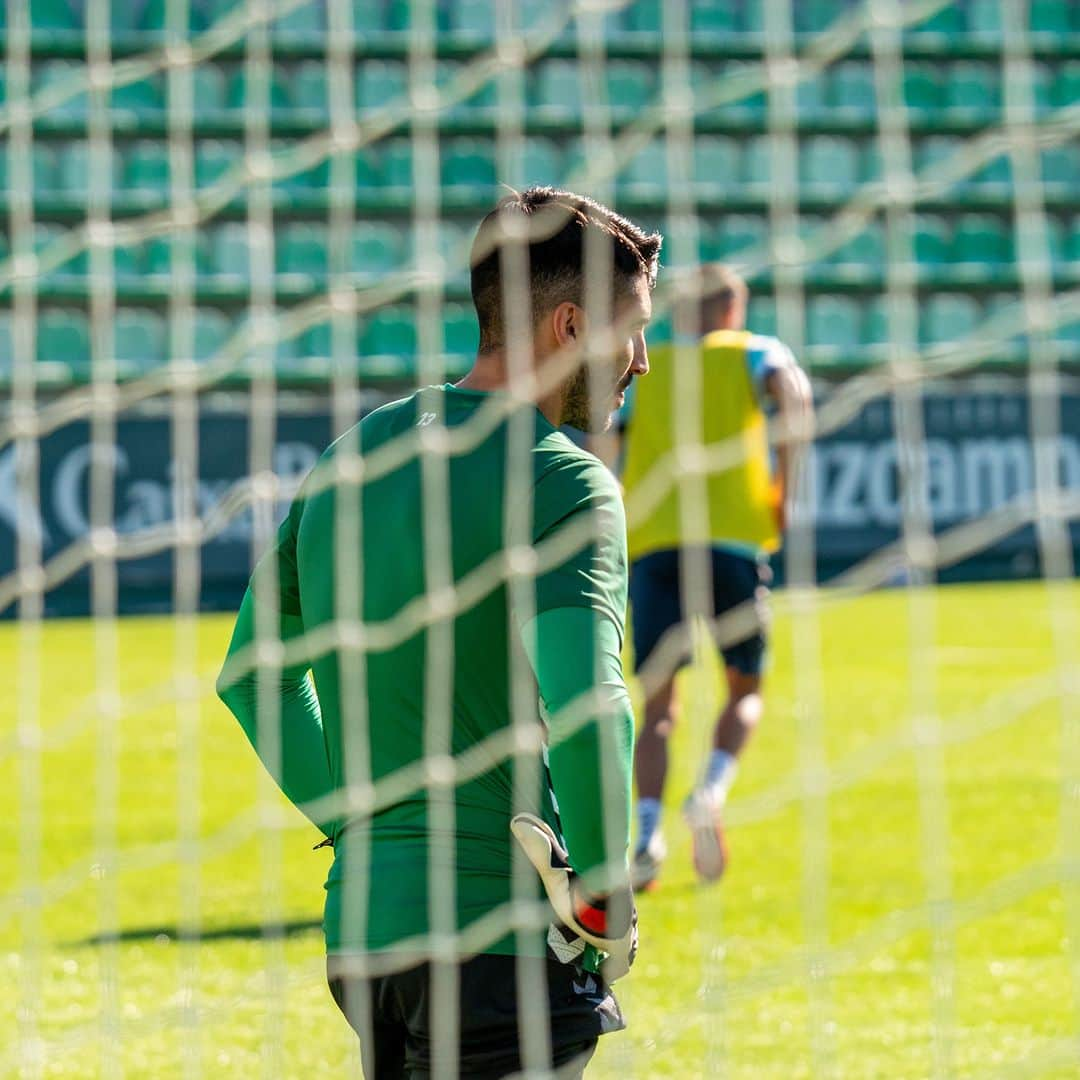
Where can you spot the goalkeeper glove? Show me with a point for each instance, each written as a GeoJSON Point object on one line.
{"type": "Point", "coordinates": [608, 922]}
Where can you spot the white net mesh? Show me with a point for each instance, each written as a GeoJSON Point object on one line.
{"type": "Point", "coordinates": [234, 228]}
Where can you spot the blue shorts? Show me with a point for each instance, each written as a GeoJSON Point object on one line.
{"type": "Point", "coordinates": [656, 604]}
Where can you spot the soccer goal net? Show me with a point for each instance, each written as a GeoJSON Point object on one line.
{"type": "Point", "coordinates": [233, 229]}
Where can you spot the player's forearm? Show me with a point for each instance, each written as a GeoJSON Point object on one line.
{"type": "Point", "coordinates": [795, 416]}
{"type": "Point", "coordinates": [590, 738]}
{"type": "Point", "coordinates": [279, 713]}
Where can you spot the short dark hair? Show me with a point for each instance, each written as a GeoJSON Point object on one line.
{"type": "Point", "coordinates": [553, 224]}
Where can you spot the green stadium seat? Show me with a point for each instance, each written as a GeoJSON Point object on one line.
{"type": "Point", "coordinates": [314, 177]}
{"type": "Point", "coordinates": [482, 102]}
{"type": "Point", "coordinates": [996, 173]}
{"type": "Point", "coordinates": [398, 15]}
{"type": "Point", "coordinates": [876, 321]}
{"type": "Point", "coordinates": [829, 164]}
{"type": "Point", "coordinates": [378, 249]}
{"type": "Point", "coordinates": [309, 89]}
{"type": "Point", "coordinates": [127, 267]}
{"type": "Point", "coordinates": [74, 174]}
{"type": "Point", "coordinates": [555, 92]}
{"type": "Point", "coordinates": [630, 86]}
{"type": "Point", "coordinates": [814, 16]}
{"type": "Point", "coordinates": [369, 17]}
{"type": "Point", "coordinates": [134, 103]}
{"type": "Point", "coordinates": [761, 315]}
{"type": "Point", "coordinates": [146, 167]}
{"type": "Point", "coordinates": [304, 23]}
{"type": "Point", "coordinates": [812, 96]}
{"type": "Point", "coordinates": [472, 19]}
{"type": "Point", "coordinates": [982, 240]}
{"type": "Point", "coordinates": [55, 15]}
{"type": "Point", "coordinates": [717, 165]}
{"type": "Point", "coordinates": [851, 89]}
{"type": "Point", "coordinates": [43, 168]}
{"type": "Point", "coordinates": [984, 18]}
{"type": "Point", "coordinates": [315, 342]}
{"type": "Point", "coordinates": [923, 88]}
{"type": "Point", "coordinates": [63, 340]}
{"type": "Point", "coordinates": [469, 164]}
{"type": "Point", "coordinates": [539, 162]}
{"type": "Point", "coordinates": [216, 10]}
{"type": "Point", "coordinates": [948, 318]}
{"type": "Point", "coordinates": [390, 332]}
{"type": "Point", "coordinates": [714, 18]}
{"type": "Point", "coordinates": [380, 83]}
{"type": "Point", "coordinates": [231, 259]}
{"type": "Point", "coordinates": [213, 159]}
{"type": "Point", "coordinates": [644, 17]}
{"type": "Point", "coordinates": [1043, 92]}
{"type": "Point", "coordinates": [301, 250]}
{"type": "Point", "coordinates": [208, 89]}
{"type": "Point", "coordinates": [645, 174]}
{"type": "Point", "coordinates": [273, 90]}
{"type": "Point", "coordinates": [455, 243]}
{"type": "Point", "coordinates": [45, 236]}
{"type": "Point", "coordinates": [7, 347]}
{"type": "Point", "coordinates": [865, 249]}
{"type": "Point", "coordinates": [368, 163]}
{"type": "Point", "coordinates": [141, 340]}
{"type": "Point", "coordinates": [162, 256]}
{"type": "Point", "coordinates": [1057, 237]}
{"type": "Point", "coordinates": [871, 164]}
{"type": "Point", "coordinates": [1072, 241]}
{"type": "Point", "coordinates": [396, 164]}
{"type": "Point", "coordinates": [461, 334]}
{"type": "Point", "coordinates": [739, 232]}
{"type": "Point", "coordinates": [750, 106]}
{"type": "Point", "coordinates": [948, 20]}
{"type": "Point", "coordinates": [929, 151]}
{"type": "Point", "coordinates": [932, 239]}
{"type": "Point", "coordinates": [974, 90]}
{"type": "Point", "coordinates": [1067, 84]}
{"type": "Point", "coordinates": [212, 330]}
{"type": "Point", "coordinates": [55, 74]}
{"type": "Point", "coordinates": [155, 17]}
{"type": "Point", "coordinates": [834, 322]}
{"type": "Point", "coordinates": [1061, 167]}
{"type": "Point", "coordinates": [757, 163]}
{"type": "Point", "coordinates": [709, 241]}
{"type": "Point", "coordinates": [1052, 17]}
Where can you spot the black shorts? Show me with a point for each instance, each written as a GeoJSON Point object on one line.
{"type": "Point", "coordinates": [656, 604]}
{"type": "Point", "coordinates": [390, 1013]}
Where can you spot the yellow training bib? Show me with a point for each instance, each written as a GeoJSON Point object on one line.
{"type": "Point", "coordinates": [697, 453]}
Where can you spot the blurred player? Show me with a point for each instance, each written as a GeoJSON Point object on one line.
{"type": "Point", "coordinates": [363, 542]}
{"type": "Point", "coordinates": [723, 402]}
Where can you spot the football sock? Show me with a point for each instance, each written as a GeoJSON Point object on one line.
{"type": "Point", "coordinates": [720, 774]}
{"type": "Point", "coordinates": [648, 815]}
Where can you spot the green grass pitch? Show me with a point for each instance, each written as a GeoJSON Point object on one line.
{"type": "Point", "coordinates": [903, 898]}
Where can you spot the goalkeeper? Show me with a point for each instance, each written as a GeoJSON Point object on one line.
{"type": "Point", "coordinates": [431, 673]}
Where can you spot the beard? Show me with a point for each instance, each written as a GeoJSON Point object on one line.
{"type": "Point", "coordinates": [578, 408]}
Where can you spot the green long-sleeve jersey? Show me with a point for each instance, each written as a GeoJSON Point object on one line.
{"type": "Point", "coordinates": [441, 558]}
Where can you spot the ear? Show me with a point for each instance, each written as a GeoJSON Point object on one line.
{"type": "Point", "coordinates": [568, 323]}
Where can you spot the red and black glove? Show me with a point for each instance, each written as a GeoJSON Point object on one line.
{"type": "Point", "coordinates": [608, 921]}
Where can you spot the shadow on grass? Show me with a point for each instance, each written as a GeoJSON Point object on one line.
{"type": "Point", "coordinates": [165, 934]}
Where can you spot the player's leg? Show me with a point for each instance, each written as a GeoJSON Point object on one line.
{"type": "Point", "coordinates": [655, 614]}
{"type": "Point", "coordinates": [650, 772]}
{"type": "Point", "coordinates": [741, 588]}
{"type": "Point", "coordinates": [382, 1040]}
